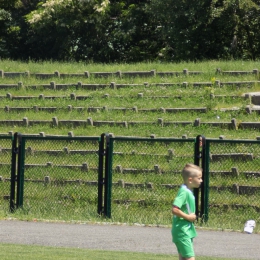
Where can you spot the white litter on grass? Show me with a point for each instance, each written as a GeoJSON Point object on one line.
{"type": "Point", "coordinates": [249, 226]}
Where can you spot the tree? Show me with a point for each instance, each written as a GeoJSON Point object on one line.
{"type": "Point", "coordinates": [66, 29]}
{"type": "Point", "coordinates": [103, 31]}
{"type": "Point", "coordinates": [245, 15]}
{"type": "Point", "coordinates": [7, 28]}
{"type": "Point", "coordinates": [13, 29]}
{"type": "Point", "coordinates": [129, 30]}
{"type": "Point", "coordinates": [196, 30]}
{"type": "Point", "coordinates": [132, 31]}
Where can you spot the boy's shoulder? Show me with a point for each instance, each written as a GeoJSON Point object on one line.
{"type": "Point", "coordinates": [184, 188]}
{"type": "Point", "coordinates": [184, 193]}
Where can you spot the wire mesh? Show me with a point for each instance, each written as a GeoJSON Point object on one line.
{"type": "Point", "coordinates": [146, 175]}
{"type": "Point", "coordinates": [5, 168]}
{"type": "Point", "coordinates": [234, 187]}
{"type": "Point", "coordinates": [60, 178]}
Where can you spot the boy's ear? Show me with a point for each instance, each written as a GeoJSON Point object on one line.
{"type": "Point", "coordinates": [190, 179]}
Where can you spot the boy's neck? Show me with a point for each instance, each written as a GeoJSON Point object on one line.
{"type": "Point", "coordinates": [188, 185]}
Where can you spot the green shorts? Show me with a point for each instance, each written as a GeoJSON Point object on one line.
{"type": "Point", "coordinates": [185, 247]}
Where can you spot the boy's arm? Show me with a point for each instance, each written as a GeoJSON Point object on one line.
{"type": "Point", "coordinates": [179, 213]}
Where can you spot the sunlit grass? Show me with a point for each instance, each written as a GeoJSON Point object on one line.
{"type": "Point", "coordinates": [51, 66]}
{"type": "Point", "coordinates": [191, 97]}
{"type": "Point", "coordinates": [129, 116]}
{"type": "Point", "coordinates": [176, 131]}
{"type": "Point", "coordinates": [32, 252]}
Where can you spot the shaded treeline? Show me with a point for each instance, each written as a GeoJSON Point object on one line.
{"type": "Point", "coordinates": [129, 30]}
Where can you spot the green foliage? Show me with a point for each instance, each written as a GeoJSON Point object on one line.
{"type": "Point", "coordinates": [8, 4]}
{"type": "Point", "coordinates": [5, 21]}
{"type": "Point", "coordinates": [132, 32]}
{"type": "Point", "coordinates": [67, 29]}
{"type": "Point", "coordinates": [129, 31]}
{"type": "Point", "coordinates": [197, 30]}
{"type": "Point", "coordinates": [13, 31]}
{"type": "Point", "coordinates": [241, 19]}
{"type": "Point", "coordinates": [93, 30]}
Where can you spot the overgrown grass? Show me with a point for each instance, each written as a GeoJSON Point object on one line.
{"type": "Point", "coordinates": [128, 98]}
{"type": "Point", "coordinates": [176, 131]}
{"type": "Point", "coordinates": [119, 116]}
{"type": "Point", "coordinates": [65, 67]}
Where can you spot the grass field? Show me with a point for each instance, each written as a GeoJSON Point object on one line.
{"type": "Point", "coordinates": [26, 252]}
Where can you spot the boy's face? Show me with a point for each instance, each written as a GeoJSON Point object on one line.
{"type": "Point", "coordinates": [196, 180]}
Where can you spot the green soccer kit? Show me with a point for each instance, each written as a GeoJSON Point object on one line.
{"type": "Point", "coordinates": [182, 228]}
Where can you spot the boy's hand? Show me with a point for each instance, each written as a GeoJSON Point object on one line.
{"type": "Point", "coordinates": [189, 217]}
{"type": "Point", "coordinates": [192, 217]}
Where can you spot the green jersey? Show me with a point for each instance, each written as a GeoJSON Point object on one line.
{"type": "Point", "coordinates": [181, 228]}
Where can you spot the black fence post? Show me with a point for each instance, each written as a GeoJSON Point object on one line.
{"type": "Point", "coordinates": [108, 177]}
{"type": "Point", "coordinates": [101, 178]}
{"type": "Point", "coordinates": [104, 177]}
{"type": "Point", "coordinates": [206, 158]}
{"type": "Point", "coordinates": [13, 171]}
{"type": "Point", "coordinates": [20, 170]}
{"type": "Point", "coordinates": [199, 159]}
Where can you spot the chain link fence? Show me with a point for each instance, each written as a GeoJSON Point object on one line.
{"type": "Point", "coordinates": [234, 182]}
{"type": "Point", "coordinates": [5, 169]}
{"type": "Point", "coordinates": [146, 174]}
{"type": "Point", "coordinates": [60, 177]}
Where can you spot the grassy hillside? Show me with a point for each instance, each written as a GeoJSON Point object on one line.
{"type": "Point", "coordinates": [165, 100]}
{"type": "Point", "coordinates": [149, 99]}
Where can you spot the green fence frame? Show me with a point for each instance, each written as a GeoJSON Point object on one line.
{"type": "Point", "coordinates": [105, 166]}
{"type": "Point", "coordinates": [205, 196]}
{"type": "Point", "coordinates": [208, 147]}
{"type": "Point", "coordinates": [106, 144]}
{"type": "Point", "coordinates": [200, 207]}
{"type": "Point", "coordinates": [12, 163]}
{"type": "Point", "coordinates": [18, 165]}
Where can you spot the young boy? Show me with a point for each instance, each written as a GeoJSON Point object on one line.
{"type": "Point", "coordinates": [183, 210]}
